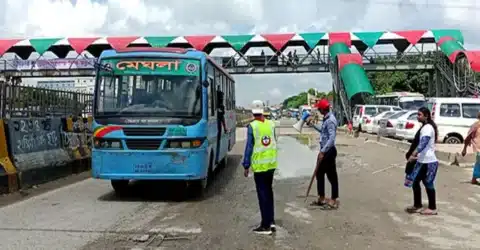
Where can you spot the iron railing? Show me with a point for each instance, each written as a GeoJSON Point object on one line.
{"type": "Point", "coordinates": [26, 101]}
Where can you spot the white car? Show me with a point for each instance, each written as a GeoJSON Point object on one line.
{"type": "Point", "coordinates": [453, 116]}
{"type": "Point", "coordinates": [372, 126]}
{"type": "Point", "coordinates": [407, 127]}
{"type": "Point", "coordinates": [362, 112]}
{"type": "Point", "coordinates": [388, 125]}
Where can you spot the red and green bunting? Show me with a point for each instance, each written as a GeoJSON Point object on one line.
{"type": "Point", "coordinates": [449, 41]}
{"type": "Point", "coordinates": [353, 75]}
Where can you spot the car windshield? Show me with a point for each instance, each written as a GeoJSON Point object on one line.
{"type": "Point", "coordinates": [146, 87]}
{"type": "Point", "coordinates": [397, 115]}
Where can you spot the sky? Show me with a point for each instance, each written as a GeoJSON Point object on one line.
{"type": "Point", "coordinates": [78, 18]}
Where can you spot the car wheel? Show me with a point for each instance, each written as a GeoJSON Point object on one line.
{"type": "Point", "coordinates": [453, 139]}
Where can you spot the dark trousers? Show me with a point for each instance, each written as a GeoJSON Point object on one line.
{"type": "Point", "coordinates": [263, 182]}
{"type": "Point", "coordinates": [417, 190]}
{"type": "Point", "coordinates": [328, 167]}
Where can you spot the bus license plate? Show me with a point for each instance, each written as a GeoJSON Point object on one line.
{"type": "Point", "coordinates": [143, 168]}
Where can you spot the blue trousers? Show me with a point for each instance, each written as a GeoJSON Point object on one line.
{"type": "Point", "coordinates": [263, 182]}
{"type": "Point", "coordinates": [476, 168]}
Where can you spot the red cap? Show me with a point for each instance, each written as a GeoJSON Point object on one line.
{"type": "Point", "coordinates": [322, 104]}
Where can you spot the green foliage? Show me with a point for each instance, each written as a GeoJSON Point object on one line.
{"type": "Point", "coordinates": [391, 81]}
{"type": "Point", "coordinates": [301, 98]}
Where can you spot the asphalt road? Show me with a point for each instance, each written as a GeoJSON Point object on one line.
{"type": "Point", "coordinates": [87, 215]}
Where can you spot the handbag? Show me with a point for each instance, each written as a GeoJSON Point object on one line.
{"type": "Point", "coordinates": [410, 166]}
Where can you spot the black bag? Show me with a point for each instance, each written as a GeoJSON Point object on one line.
{"type": "Point", "coordinates": [410, 165]}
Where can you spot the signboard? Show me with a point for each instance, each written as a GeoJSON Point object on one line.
{"type": "Point", "coordinates": [52, 64]}
{"type": "Point", "coordinates": [144, 66]}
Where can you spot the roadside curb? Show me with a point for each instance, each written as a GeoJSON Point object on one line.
{"type": "Point", "coordinates": [444, 158]}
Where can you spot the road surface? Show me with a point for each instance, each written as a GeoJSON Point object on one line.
{"type": "Point", "coordinates": [87, 215]}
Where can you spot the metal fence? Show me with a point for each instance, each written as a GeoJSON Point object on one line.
{"type": "Point", "coordinates": [27, 101]}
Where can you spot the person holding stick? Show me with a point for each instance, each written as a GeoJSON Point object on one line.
{"type": "Point", "coordinates": [326, 159]}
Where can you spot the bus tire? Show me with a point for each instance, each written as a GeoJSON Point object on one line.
{"type": "Point", "coordinates": [224, 162]}
{"type": "Point", "coordinates": [198, 188]}
{"type": "Point", "coordinates": [121, 187]}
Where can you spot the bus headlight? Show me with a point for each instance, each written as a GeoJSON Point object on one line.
{"type": "Point", "coordinates": [184, 143]}
{"type": "Point", "coordinates": [99, 143]}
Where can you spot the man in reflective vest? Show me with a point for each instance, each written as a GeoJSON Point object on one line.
{"type": "Point", "coordinates": [261, 157]}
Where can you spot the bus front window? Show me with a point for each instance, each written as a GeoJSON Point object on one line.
{"type": "Point", "coordinates": [149, 95]}
{"type": "Point", "coordinates": [412, 105]}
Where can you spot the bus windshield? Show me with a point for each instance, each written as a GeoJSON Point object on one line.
{"type": "Point", "coordinates": [412, 105]}
{"type": "Point", "coordinates": [149, 95]}
{"type": "Point", "coordinates": [148, 87]}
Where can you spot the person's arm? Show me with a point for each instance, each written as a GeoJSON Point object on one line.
{"type": "Point", "coordinates": [425, 136]}
{"type": "Point", "coordinates": [332, 134]}
{"type": "Point", "coordinates": [317, 127]}
{"type": "Point", "coordinates": [247, 156]}
{"type": "Point", "coordinates": [471, 132]}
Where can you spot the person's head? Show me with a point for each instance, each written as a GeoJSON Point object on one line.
{"type": "Point", "coordinates": [257, 108]}
{"type": "Point", "coordinates": [424, 115]}
{"type": "Point", "coordinates": [478, 115]}
{"type": "Point", "coordinates": [323, 106]}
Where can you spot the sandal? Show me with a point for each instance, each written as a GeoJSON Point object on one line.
{"type": "Point", "coordinates": [318, 203]}
{"type": "Point", "coordinates": [413, 210]}
{"type": "Point", "coordinates": [329, 206]}
{"type": "Point", "coordinates": [428, 212]}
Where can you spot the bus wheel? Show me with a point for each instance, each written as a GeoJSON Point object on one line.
{"type": "Point", "coordinates": [120, 186]}
{"type": "Point", "coordinates": [198, 188]}
{"type": "Point", "coordinates": [224, 162]}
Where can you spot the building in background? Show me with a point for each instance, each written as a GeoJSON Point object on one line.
{"type": "Point", "coordinates": [77, 84]}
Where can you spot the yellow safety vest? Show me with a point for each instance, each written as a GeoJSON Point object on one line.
{"type": "Point", "coordinates": [264, 155]}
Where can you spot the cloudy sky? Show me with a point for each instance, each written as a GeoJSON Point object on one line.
{"type": "Point", "coordinates": [54, 18]}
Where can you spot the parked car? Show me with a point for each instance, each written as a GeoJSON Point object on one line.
{"type": "Point", "coordinates": [453, 117]}
{"type": "Point", "coordinates": [363, 112]}
{"type": "Point", "coordinates": [371, 126]}
{"type": "Point", "coordinates": [407, 127]}
{"type": "Point", "coordinates": [388, 125]}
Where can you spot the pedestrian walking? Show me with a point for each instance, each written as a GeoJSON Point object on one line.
{"type": "Point", "coordinates": [326, 159]}
{"type": "Point", "coordinates": [473, 139]}
{"type": "Point", "coordinates": [261, 157]}
{"type": "Point", "coordinates": [426, 166]}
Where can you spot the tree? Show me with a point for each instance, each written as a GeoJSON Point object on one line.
{"type": "Point", "coordinates": [391, 81]}
{"type": "Point", "coordinates": [301, 98]}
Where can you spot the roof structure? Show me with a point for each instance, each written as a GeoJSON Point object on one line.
{"type": "Point", "coordinates": [450, 42]}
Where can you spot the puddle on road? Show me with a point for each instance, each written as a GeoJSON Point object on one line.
{"type": "Point", "coordinates": [302, 138]}
{"type": "Point", "coordinates": [294, 158]}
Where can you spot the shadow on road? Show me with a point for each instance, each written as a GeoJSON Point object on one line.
{"type": "Point", "coordinates": [176, 191]}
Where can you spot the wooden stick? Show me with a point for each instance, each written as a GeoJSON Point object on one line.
{"type": "Point", "coordinates": [311, 180]}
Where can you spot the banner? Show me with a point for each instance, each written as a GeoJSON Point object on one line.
{"type": "Point", "coordinates": [52, 64]}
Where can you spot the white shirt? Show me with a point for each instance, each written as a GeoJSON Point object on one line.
{"type": "Point", "coordinates": [428, 153]}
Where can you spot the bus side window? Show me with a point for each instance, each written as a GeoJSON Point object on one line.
{"type": "Point", "coordinates": [227, 94]}
{"type": "Point", "coordinates": [211, 96]}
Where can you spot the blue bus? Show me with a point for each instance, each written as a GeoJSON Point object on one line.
{"type": "Point", "coordinates": [157, 116]}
